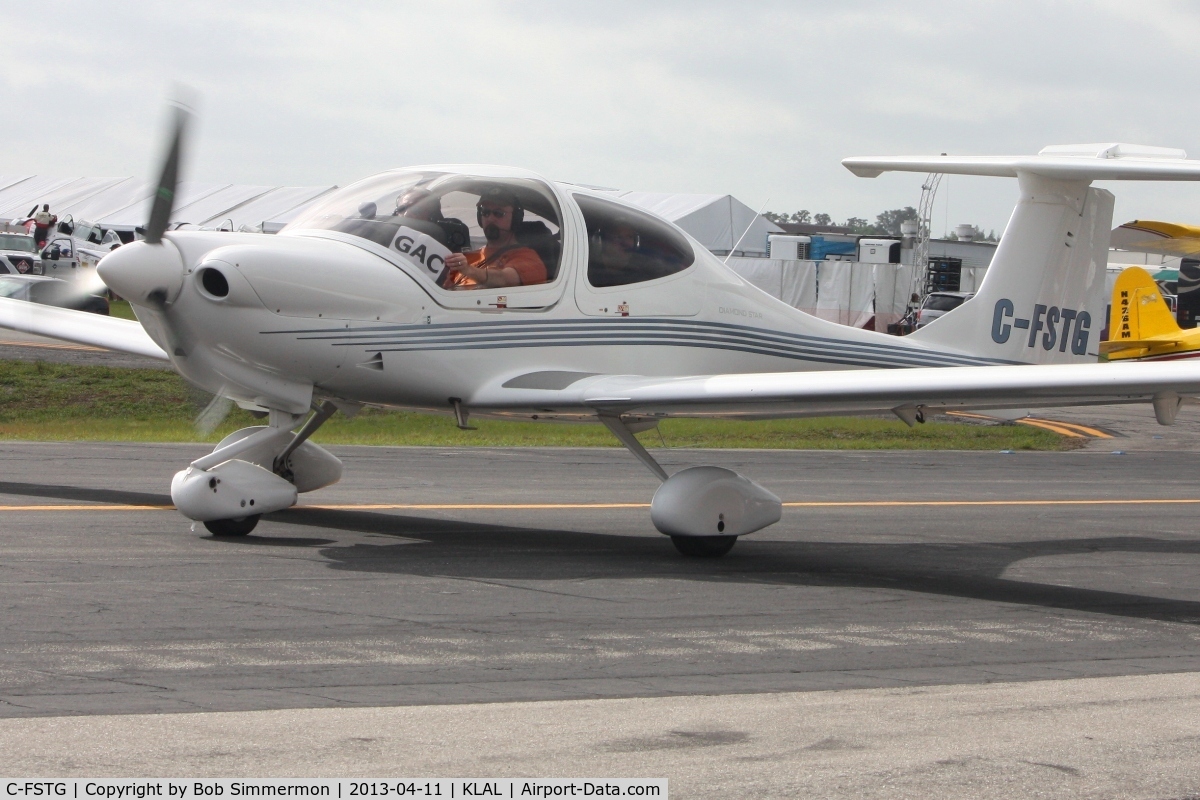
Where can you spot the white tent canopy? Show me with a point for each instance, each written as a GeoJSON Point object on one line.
{"type": "Point", "coordinates": [122, 204]}
{"type": "Point", "coordinates": [717, 221]}
{"type": "Point", "coordinates": [276, 208]}
{"type": "Point", "coordinates": [109, 201]}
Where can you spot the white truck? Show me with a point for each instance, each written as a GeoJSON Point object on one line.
{"type": "Point", "coordinates": [18, 252]}
{"type": "Point", "coordinates": [76, 246]}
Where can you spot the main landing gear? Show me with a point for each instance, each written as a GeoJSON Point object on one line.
{"type": "Point", "coordinates": [703, 509]}
{"type": "Point", "coordinates": [256, 471]}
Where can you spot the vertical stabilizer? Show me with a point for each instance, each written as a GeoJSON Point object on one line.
{"type": "Point", "coordinates": [1138, 308]}
{"type": "Point", "coordinates": [1042, 300]}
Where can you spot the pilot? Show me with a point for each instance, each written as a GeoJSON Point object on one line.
{"type": "Point", "coordinates": [503, 261]}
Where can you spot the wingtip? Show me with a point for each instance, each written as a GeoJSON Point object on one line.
{"type": "Point", "coordinates": [860, 169]}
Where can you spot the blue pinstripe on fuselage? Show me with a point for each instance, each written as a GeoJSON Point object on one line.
{"type": "Point", "coordinates": [647, 331]}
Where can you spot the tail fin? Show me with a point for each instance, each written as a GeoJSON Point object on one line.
{"type": "Point", "coordinates": [1138, 308]}
{"type": "Point", "coordinates": [1043, 296]}
{"type": "Point", "coordinates": [1042, 299]}
{"type": "Point", "coordinates": [1141, 322]}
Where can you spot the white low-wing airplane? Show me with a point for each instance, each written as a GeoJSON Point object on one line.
{"type": "Point", "coordinates": [591, 309]}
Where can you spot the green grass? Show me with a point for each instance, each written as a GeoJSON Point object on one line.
{"type": "Point", "coordinates": [60, 402]}
{"type": "Point", "coordinates": [121, 309]}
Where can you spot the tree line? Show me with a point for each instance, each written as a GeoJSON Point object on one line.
{"type": "Point", "coordinates": [886, 224]}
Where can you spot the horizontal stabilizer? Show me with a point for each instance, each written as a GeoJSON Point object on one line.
{"type": "Point", "coordinates": [1144, 344]}
{"type": "Point", "coordinates": [123, 335]}
{"type": "Point", "coordinates": [1108, 162]}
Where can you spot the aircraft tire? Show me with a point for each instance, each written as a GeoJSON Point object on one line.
{"type": "Point", "coordinates": [704, 546]}
{"type": "Point", "coordinates": [232, 527]}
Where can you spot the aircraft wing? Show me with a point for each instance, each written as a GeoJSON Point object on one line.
{"type": "Point", "coordinates": [80, 327]}
{"type": "Point", "coordinates": [1149, 236]}
{"type": "Point", "coordinates": [836, 392]}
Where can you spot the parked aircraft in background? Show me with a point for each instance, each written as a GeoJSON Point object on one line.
{"type": "Point", "coordinates": [1150, 236]}
{"type": "Point", "coordinates": [615, 316]}
{"type": "Point", "coordinates": [1142, 326]}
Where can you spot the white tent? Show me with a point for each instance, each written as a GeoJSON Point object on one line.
{"type": "Point", "coordinates": [276, 208]}
{"type": "Point", "coordinates": [124, 203]}
{"type": "Point", "coordinates": [717, 221]}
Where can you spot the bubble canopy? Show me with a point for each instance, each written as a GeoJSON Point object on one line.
{"type": "Point", "coordinates": [423, 215]}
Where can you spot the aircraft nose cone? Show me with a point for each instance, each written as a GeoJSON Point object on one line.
{"type": "Point", "coordinates": [144, 274]}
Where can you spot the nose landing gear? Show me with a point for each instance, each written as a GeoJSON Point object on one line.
{"type": "Point", "coordinates": [255, 471]}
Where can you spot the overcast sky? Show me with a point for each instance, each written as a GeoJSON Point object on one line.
{"type": "Point", "coordinates": [757, 99]}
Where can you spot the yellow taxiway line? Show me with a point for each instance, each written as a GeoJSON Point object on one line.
{"type": "Point", "coordinates": [601, 506]}
{"type": "Point", "coordinates": [1072, 429]}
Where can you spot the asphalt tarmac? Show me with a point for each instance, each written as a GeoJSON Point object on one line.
{"type": "Point", "coordinates": [547, 591]}
{"type": "Point", "coordinates": [517, 576]}
{"type": "Point", "coordinates": [18, 346]}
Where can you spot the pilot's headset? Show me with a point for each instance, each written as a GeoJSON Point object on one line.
{"type": "Point", "coordinates": [501, 196]}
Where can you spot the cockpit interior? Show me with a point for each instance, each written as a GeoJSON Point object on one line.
{"type": "Point", "coordinates": [445, 207]}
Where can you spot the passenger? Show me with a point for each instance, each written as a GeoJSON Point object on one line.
{"type": "Point", "coordinates": [503, 261]}
{"type": "Point", "coordinates": [419, 204]}
{"type": "Point", "coordinates": [423, 205]}
{"type": "Point", "coordinates": [621, 260]}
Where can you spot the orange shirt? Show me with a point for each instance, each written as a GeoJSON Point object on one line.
{"type": "Point", "coordinates": [524, 260]}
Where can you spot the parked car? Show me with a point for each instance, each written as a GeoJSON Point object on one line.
{"type": "Point", "coordinates": [936, 304]}
{"type": "Point", "coordinates": [18, 254]}
{"type": "Point", "coordinates": [51, 292]}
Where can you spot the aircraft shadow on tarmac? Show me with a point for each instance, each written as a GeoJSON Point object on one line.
{"type": "Point", "coordinates": [482, 551]}
{"type": "Point", "coordinates": [84, 495]}
{"type": "Point", "coordinates": [471, 550]}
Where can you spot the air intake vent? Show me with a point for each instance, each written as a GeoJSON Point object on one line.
{"type": "Point", "coordinates": [374, 362]}
{"type": "Point", "coordinates": [214, 282]}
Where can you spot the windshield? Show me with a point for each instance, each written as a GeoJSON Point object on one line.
{"type": "Point", "coordinates": [25, 244]}
{"type": "Point", "coordinates": [507, 225]}
{"type": "Point", "coordinates": [11, 288]}
{"type": "Point", "coordinates": [88, 233]}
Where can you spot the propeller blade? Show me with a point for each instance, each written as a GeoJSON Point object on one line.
{"type": "Point", "coordinates": [168, 179]}
{"type": "Point", "coordinates": [213, 415]}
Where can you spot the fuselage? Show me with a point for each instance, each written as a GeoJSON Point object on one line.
{"type": "Point", "coordinates": [341, 306]}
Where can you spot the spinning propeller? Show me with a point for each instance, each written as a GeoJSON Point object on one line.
{"type": "Point", "coordinates": [168, 177]}
{"type": "Point", "coordinates": [150, 273]}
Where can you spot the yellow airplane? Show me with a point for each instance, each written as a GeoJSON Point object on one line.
{"type": "Point", "coordinates": [1141, 325]}
{"type": "Point", "coordinates": [1149, 236]}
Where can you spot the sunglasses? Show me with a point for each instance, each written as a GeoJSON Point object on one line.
{"type": "Point", "coordinates": [498, 213]}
